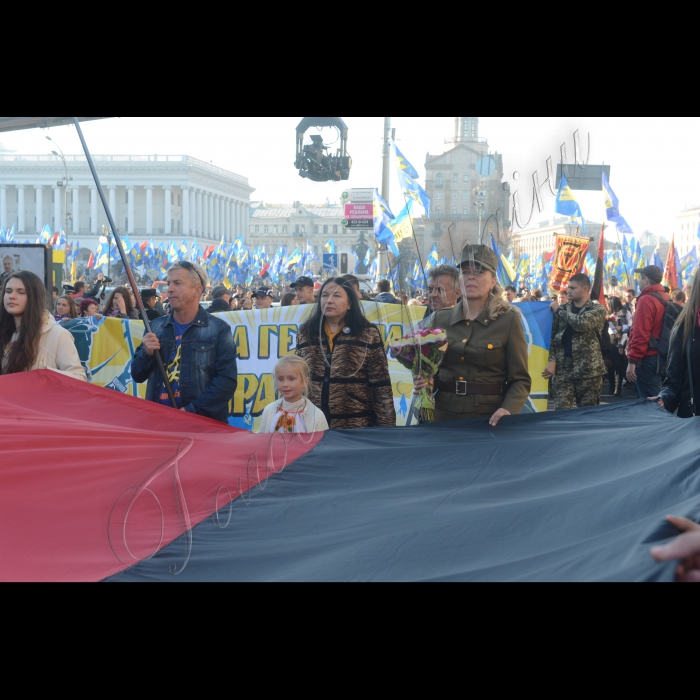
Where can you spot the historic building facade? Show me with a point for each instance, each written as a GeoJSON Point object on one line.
{"type": "Point", "coordinates": [292, 225]}
{"type": "Point", "coordinates": [688, 230]}
{"type": "Point", "coordinates": [468, 199]}
{"type": "Point", "coordinates": [159, 197]}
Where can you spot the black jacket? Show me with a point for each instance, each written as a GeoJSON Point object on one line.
{"type": "Point", "coordinates": [151, 314]}
{"type": "Point", "coordinates": [218, 306]}
{"type": "Point", "coordinates": [676, 392]}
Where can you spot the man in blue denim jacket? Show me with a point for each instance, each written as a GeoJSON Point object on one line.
{"type": "Point", "coordinates": [197, 349]}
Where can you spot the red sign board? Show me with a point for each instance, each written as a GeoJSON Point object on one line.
{"type": "Point", "coordinates": [359, 212]}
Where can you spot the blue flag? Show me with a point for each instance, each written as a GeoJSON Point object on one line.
{"type": "Point", "coordinates": [612, 208]}
{"type": "Point", "coordinates": [506, 273]}
{"type": "Point", "coordinates": [407, 178]}
{"type": "Point", "coordinates": [567, 205]}
{"type": "Point", "coordinates": [404, 166]}
{"type": "Point", "coordinates": [382, 218]}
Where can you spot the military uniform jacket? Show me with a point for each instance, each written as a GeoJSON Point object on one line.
{"type": "Point", "coordinates": [484, 352]}
{"type": "Point", "coordinates": [587, 326]}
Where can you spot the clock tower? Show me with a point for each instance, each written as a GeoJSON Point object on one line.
{"type": "Point", "coordinates": [466, 129]}
{"type": "Point", "coordinates": [468, 200]}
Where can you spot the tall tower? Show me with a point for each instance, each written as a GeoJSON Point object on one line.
{"type": "Point", "coordinates": [466, 128]}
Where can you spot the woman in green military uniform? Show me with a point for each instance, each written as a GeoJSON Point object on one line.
{"type": "Point", "coordinates": [485, 370]}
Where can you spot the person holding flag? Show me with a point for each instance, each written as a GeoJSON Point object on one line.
{"type": "Point", "coordinates": [576, 362]}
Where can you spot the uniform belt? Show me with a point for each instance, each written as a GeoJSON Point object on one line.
{"type": "Point", "coordinates": [467, 389]}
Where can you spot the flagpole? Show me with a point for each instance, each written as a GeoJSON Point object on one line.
{"type": "Point", "coordinates": [387, 159]}
{"type": "Point", "coordinates": [127, 267]}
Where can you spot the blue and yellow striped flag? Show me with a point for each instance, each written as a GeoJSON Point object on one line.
{"type": "Point", "coordinates": [567, 205]}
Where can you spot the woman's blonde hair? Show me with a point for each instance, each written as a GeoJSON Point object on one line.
{"type": "Point", "coordinates": [300, 365]}
{"type": "Point", "coordinates": [497, 304]}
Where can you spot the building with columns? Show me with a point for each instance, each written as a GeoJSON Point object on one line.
{"type": "Point", "coordinates": [688, 230]}
{"type": "Point", "coordinates": [159, 197]}
{"type": "Point", "coordinates": [292, 225]}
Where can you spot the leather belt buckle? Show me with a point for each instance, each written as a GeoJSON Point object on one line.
{"type": "Point", "coordinates": [458, 391]}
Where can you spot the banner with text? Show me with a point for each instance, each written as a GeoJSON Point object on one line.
{"type": "Point", "coordinates": [106, 348]}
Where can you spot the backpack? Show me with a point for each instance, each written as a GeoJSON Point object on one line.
{"type": "Point", "coordinates": [663, 344]}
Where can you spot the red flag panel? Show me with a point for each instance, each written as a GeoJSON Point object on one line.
{"type": "Point", "coordinates": [93, 481]}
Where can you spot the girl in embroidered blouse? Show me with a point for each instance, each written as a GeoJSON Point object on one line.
{"type": "Point", "coordinates": [293, 413]}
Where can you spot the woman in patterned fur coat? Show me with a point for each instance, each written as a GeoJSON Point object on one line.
{"type": "Point", "coordinates": [350, 379]}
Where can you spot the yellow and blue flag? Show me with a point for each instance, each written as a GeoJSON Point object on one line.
{"type": "Point", "coordinates": [403, 165]}
{"type": "Point", "coordinates": [45, 236]}
{"type": "Point", "coordinates": [688, 263]}
{"type": "Point", "coordinates": [382, 218]}
{"type": "Point", "coordinates": [506, 273]}
{"type": "Point", "coordinates": [407, 178]}
{"type": "Point", "coordinates": [402, 225]}
{"type": "Point", "coordinates": [433, 259]}
{"type": "Point", "coordinates": [524, 268]}
{"type": "Point", "coordinates": [567, 205]}
{"type": "Point", "coordinates": [612, 208]}
{"type": "Point", "coordinates": [330, 247]}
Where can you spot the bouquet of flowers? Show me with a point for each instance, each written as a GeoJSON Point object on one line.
{"type": "Point", "coordinates": [422, 351]}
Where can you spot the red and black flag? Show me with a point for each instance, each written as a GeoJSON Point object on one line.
{"type": "Point", "coordinates": [598, 293]}
{"type": "Point", "coordinates": [184, 498]}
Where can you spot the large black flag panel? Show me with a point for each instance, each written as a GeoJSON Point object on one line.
{"type": "Point", "coordinates": [578, 496]}
{"type": "Point", "coordinates": [19, 123]}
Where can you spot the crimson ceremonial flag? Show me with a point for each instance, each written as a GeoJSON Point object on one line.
{"type": "Point", "coordinates": [598, 293]}
{"type": "Point", "coordinates": [568, 260]}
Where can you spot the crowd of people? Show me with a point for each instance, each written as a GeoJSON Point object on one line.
{"type": "Point", "coordinates": [339, 377]}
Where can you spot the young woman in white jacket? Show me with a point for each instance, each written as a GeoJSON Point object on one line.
{"type": "Point", "coordinates": [30, 338]}
{"type": "Point", "coordinates": [293, 413]}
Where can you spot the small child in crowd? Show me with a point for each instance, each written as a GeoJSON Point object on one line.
{"type": "Point", "coordinates": [293, 413]}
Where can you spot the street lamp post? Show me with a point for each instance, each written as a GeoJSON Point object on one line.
{"type": "Point", "coordinates": [105, 239]}
{"type": "Point", "coordinates": [480, 204]}
{"type": "Point", "coordinates": [66, 180]}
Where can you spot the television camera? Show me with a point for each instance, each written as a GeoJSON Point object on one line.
{"type": "Point", "coordinates": [313, 161]}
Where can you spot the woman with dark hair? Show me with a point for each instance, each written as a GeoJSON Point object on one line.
{"type": "Point", "coordinates": [681, 389]}
{"type": "Point", "coordinates": [350, 379]}
{"type": "Point", "coordinates": [66, 309]}
{"type": "Point", "coordinates": [619, 324]}
{"type": "Point", "coordinates": [120, 305]}
{"type": "Point", "coordinates": [30, 338]}
{"type": "Point", "coordinates": [289, 300]}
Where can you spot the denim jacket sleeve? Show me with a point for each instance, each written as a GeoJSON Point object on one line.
{"type": "Point", "coordinates": [142, 365]}
{"type": "Point", "coordinates": [223, 386]}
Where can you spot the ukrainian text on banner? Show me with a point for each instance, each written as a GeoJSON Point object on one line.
{"type": "Point", "coordinates": [106, 348]}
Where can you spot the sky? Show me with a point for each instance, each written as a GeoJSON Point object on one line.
{"type": "Point", "coordinates": [652, 158]}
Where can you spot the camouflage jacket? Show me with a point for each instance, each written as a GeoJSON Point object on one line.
{"type": "Point", "coordinates": [587, 326]}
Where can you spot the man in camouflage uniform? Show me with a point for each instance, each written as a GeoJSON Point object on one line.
{"type": "Point", "coordinates": [576, 359]}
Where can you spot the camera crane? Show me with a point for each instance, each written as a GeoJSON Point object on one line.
{"type": "Point", "coordinates": [313, 161]}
